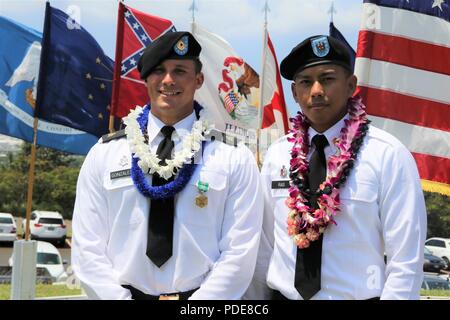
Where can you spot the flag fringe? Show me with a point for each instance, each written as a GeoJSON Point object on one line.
{"type": "Point", "coordinates": [436, 187]}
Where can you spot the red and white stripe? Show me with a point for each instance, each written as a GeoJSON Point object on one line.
{"type": "Point", "coordinates": [403, 70]}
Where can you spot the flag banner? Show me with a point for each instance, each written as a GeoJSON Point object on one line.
{"type": "Point", "coordinates": [230, 93]}
{"type": "Point", "coordinates": [335, 33]}
{"type": "Point", "coordinates": [75, 78]}
{"type": "Point", "coordinates": [135, 31]}
{"type": "Point", "coordinates": [274, 110]}
{"type": "Point", "coordinates": [20, 51]}
{"type": "Point", "coordinates": [403, 70]}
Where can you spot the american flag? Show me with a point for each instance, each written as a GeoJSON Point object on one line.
{"type": "Point", "coordinates": [403, 70]}
{"type": "Point", "coordinates": [231, 101]}
{"type": "Point", "coordinates": [135, 31]}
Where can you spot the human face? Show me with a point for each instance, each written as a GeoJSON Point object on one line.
{"type": "Point", "coordinates": [322, 93]}
{"type": "Point", "coordinates": [171, 87]}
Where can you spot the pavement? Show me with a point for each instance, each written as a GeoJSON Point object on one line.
{"type": "Point", "coordinates": [6, 252]}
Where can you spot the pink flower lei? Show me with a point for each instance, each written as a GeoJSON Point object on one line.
{"type": "Point", "coordinates": [305, 224]}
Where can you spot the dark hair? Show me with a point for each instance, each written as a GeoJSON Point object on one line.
{"type": "Point", "coordinates": [347, 72]}
{"type": "Point", "coordinates": [198, 65]}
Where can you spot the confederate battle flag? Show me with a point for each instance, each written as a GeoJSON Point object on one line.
{"type": "Point", "coordinates": [135, 31]}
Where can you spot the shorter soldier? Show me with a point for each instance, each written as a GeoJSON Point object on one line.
{"type": "Point", "coordinates": [351, 193]}
{"type": "Point", "coordinates": [151, 223]}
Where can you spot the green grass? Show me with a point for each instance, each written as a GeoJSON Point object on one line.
{"type": "Point", "coordinates": [45, 290]}
{"type": "Point", "coordinates": [435, 293]}
{"type": "Point", "coordinates": [42, 290]}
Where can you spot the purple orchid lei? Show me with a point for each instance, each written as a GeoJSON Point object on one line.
{"type": "Point", "coordinates": [169, 189]}
{"type": "Point", "coordinates": [305, 224]}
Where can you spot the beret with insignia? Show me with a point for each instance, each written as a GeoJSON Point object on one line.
{"type": "Point", "coordinates": [315, 51]}
{"type": "Point", "coordinates": [171, 45]}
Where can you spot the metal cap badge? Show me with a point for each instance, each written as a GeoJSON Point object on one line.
{"type": "Point", "coordinates": [182, 46]}
{"type": "Point", "coordinates": [320, 46]}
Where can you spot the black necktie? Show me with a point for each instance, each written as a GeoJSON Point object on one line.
{"type": "Point", "coordinates": [309, 260]}
{"type": "Point", "coordinates": [160, 225]}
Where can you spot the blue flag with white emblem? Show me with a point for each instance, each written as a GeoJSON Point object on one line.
{"type": "Point", "coordinates": [20, 51]}
{"type": "Point", "coordinates": [75, 80]}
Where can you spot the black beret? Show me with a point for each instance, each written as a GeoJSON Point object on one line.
{"type": "Point", "coordinates": [171, 45]}
{"type": "Point", "coordinates": [315, 51]}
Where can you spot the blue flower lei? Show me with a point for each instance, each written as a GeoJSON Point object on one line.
{"type": "Point", "coordinates": [168, 190]}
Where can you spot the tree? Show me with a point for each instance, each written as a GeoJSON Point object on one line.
{"type": "Point", "coordinates": [56, 173]}
{"type": "Point", "coordinates": [438, 209]}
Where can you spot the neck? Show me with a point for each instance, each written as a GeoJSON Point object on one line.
{"type": "Point", "coordinates": [169, 118]}
{"type": "Point", "coordinates": [322, 127]}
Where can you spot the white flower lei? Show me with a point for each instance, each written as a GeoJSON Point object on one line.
{"type": "Point", "coordinates": [149, 162]}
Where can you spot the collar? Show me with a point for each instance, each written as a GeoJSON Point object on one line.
{"type": "Point", "coordinates": [182, 127]}
{"type": "Point", "coordinates": [331, 133]}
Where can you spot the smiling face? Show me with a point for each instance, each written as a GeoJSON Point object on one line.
{"type": "Point", "coordinates": [171, 86]}
{"type": "Point", "coordinates": [322, 93]}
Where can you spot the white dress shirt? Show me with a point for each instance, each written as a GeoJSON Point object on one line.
{"type": "Point", "coordinates": [214, 247]}
{"type": "Point", "coordinates": [382, 212]}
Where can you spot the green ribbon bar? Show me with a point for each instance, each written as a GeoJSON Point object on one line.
{"type": "Point", "coordinates": [202, 186]}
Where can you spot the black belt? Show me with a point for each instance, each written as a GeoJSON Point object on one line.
{"type": "Point", "coordinates": [277, 295]}
{"type": "Point", "coordinates": [139, 295]}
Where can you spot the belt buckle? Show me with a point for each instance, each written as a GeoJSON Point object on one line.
{"type": "Point", "coordinates": [175, 296]}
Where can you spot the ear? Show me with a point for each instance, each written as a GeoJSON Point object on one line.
{"type": "Point", "coordinates": [351, 83]}
{"type": "Point", "coordinates": [294, 93]}
{"type": "Point", "coordinates": [199, 79]}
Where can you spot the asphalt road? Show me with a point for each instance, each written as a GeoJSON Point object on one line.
{"type": "Point", "coordinates": [6, 252]}
{"type": "Point", "coordinates": [6, 249]}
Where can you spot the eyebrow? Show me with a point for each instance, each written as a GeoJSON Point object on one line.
{"type": "Point", "coordinates": [325, 73]}
{"type": "Point", "coordinates": [176, 66]}
{"type": "Point", "coordinates": [182, 66]}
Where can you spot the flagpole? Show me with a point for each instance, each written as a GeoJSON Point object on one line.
{"type": "Point", "coordinates": [193, 8]}
{"type": "Point", "coordinates": [261, 86]}
{"type": "Point", "coordinates": [331, 11]}
{"type": "Point", "coordinates": [31, 171]}
{"type": "Point", "coordinates": [116, 75]}
{"type": "Point", "coordinates": [23, 279]}
{"type": "Point", "coordinates": [39, 102]}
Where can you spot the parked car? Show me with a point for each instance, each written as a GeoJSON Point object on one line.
{"type": "Point", "coordinates": [47, 225]}
{"type": "Point", "coordinates": [440, 247]}
{"type": "Point", "coordinates": [48, 257]}
{"type": "Point", "coordinates": [433, 282]}
{"type": "Point", "coordinates": [42, 275]}
{"type": "Point", "coordinates": [8, 230]}
{"type": "Point", "coordinates": [433, 263]}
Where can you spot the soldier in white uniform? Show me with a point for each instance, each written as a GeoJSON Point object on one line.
{"type": "Point", "coordinates": [150, 224]}
{"type": "Point", "coordinates": [341, 196]}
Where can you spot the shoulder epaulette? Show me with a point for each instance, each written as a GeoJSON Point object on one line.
{"type": "Point", "coordinates": [217, 135]}
{"type": "Point", "coordinates": [114, 135]}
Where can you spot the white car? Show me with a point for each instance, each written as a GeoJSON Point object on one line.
{"type": "Point", "coordinates": [7, 227]}
{"type": "Point", "coordinates": [439, 247]}
{"type": "Point", "coordinates": [47, 225]}
{"type": "Point", "coordinates": [48, 257]}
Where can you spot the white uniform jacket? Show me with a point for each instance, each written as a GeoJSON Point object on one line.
{"type": "Point", "coordinates": [214, 247]}
{"type": "Point", "coordinates": [382, 213]}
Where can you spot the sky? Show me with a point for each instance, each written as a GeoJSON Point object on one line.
{"type": "Point", "coordinates": [240, 22]}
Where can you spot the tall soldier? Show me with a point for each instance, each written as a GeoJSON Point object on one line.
{"type": "Point", "coordinates": [149, 221]}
